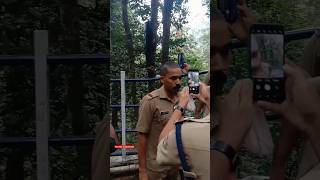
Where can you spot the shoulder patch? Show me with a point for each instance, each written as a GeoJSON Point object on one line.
{"type": "Point", "coordinates": [152, 94]}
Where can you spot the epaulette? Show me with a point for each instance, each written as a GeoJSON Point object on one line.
{"type": "Point", "coordinates": [153, 94]}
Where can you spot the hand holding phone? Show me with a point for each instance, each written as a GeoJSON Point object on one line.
{"type": "Point", "coordinates": [267, 59]}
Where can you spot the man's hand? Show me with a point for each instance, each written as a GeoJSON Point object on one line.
{"type": "Point", "coordinates": [235, 122]}
{"type": "Point", "coordinates": [236, 114]}
{"type": "Point", "coordinates": [184, 97]}
{"type": "Point", "coordinates": [204, 94]}
{"type": "Point", "coordinates": [142, 155]}
{"type": "Point", "coordinates": [186, 68]}
{"type": "Point", "coordinates": [302, 103]}
{"type": "Point", "coordinates": [241, 27]}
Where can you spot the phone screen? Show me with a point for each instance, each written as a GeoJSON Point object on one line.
{"type": "Point", "coordinates": [193, 77]}
{"type": "Point", "coordinates": [267, 54]}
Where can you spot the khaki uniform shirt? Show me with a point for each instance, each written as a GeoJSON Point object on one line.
{"type": "Point", "coordinates": [155, 110]}
{"type": "Point", "coordinates": [100, 160]}
{"type": "Point", "coordinates": [195, 135]}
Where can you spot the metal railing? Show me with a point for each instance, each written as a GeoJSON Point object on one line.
{"type": "Point", "coordinates": [40, 61]}
{"type": "Point", "coordinates": [101, 59]}
{"type": "Point", "coordinates": [12, 60]}
{"type": "Point", "coordinates": [289, 36]}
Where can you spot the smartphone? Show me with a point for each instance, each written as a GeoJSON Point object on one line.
{"type": "Point", "coordinates": [229, 9]}
{"type": "Point", "coordinates": [267, 59]}
{"type": "Point", "coordinates": [181, 60]}
{"type": "Point", "coordinates": [193, 81]}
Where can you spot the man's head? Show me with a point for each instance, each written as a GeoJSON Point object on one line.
{"type": "Point", "coordinates": [170, 77]}
{"type": "Point", "coordinates": [219, 51]}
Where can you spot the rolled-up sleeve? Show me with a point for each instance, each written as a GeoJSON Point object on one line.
{"type": "Point", "coordinates": [167, 153]}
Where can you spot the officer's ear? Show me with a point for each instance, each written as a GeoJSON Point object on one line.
{"type": "Point", "coordinates": [161, 79]}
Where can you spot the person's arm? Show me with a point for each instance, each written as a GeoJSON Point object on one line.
{"type": "Point", "coordinates": [236, 120]}
{"type": "Point", "coordinates": [176, 115]}
{"type": "Point", "coordinates": [142, 151]}
{"type": "Point", "coordinates": [301, 107]}
{"type": "Point", "coordinates": [146, 111]}
{"type": "Point", "coordinates": [204, 95]}
{"type": "Point", "coordinates": [314, 132]}
{"type": "Point", "coordinates": [186, 68]}
{"type": "Point", "coordinates": [287, 139]}
{"type": "Point", "coordinates": [220, 166]}
{"type": "Point", "coordinates": [241, 27]}
{"type": "Point", "coordinates": [199, 109]}
{"type": "Point", "coordinates": [113, 134]}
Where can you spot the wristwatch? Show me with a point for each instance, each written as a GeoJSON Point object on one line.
{"type": "Point", "coordinates": [179, 108]}
{"type": "Point", "coordinates": [225, 149]}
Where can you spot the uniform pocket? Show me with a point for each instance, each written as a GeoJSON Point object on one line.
{"type": "Point", "coordinates": [164, 116]}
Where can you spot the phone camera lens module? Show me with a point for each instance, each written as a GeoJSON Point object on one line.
{"type": "Point", "coordinates": [267, 87]}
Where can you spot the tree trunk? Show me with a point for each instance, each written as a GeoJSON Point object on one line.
{"type": "Point", "coordinates": [151, 42]}
{"type": "Point", "coordinates": [166, 14]}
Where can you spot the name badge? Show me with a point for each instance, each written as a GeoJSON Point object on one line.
{"type": "Point", "coordinates": [164, 113]}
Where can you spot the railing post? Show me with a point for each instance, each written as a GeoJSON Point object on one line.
{"type": "Point", "coordinates": [123, 112]}
{"type": "Point", "coordinates": [41, 103]}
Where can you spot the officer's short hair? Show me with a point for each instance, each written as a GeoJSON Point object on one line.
{"type": "Point", "coordinates": [166, 66]}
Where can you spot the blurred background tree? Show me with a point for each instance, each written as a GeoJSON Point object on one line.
{"type": "Point", "coordinates": [78, 96]}
{"type": "Point", "coordinates": [168, 20]}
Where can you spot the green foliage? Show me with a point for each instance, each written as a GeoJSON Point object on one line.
{"type": "Point", "coordinates": [196, 52]}
{"type": "Point", "coordinates": [17, 111]}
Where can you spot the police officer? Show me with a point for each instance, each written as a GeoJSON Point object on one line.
{"type": "Point", "coordinates": [99, 162]}
{"type": "Point", "coordinates": [195, 135]}
{"type": "Point", "coordinates": [155, 110]}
